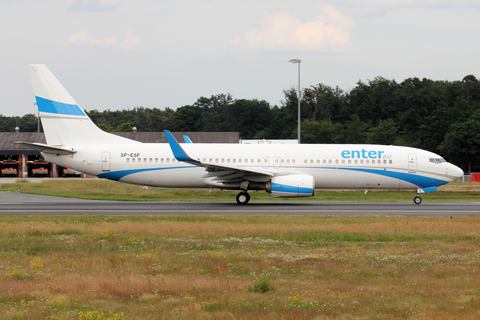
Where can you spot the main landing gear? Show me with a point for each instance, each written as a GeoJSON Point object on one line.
{"type": "Point", "coordinates": [417, 199]}
{"type": "Point", "coordinates": [243, 197]}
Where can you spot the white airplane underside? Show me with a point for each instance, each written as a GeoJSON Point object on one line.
{"type": "Point", "coordinates": [75, 142]}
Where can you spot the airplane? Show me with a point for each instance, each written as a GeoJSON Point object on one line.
{"type": "Point", "coordinates": [294, 170]}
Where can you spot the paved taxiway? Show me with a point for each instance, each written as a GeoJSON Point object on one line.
{"type": "Point", "coordinates": [13, 203]}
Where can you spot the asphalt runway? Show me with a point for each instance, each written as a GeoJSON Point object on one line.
{"type": "Point", "coordinates": [26, 204]}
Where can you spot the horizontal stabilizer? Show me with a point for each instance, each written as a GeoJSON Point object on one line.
{"type": "Point", "coordinates": [46, 148]}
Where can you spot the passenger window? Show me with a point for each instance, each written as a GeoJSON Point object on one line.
{"type": "Point", "coordinates": [390, 161]}
{"type": "Point", "coordinates": [293, 161]}
{"type": "Point", "coordinates": [234, 160]}
{"type": "Point", "coordinates": [162, 160]}
{"type": "Point", "coordinates": [336, 161]}
{"type": "Point", "coordinates": [276, 160]}
{"type": "Point", "coordinates": [239, 160]}
{"type": "Point", "coordinates": [306, 161]}
{"type": "Point", "coordinates": [151, 160]}
{"type": "Point", "coordinates": [128, 159]}
{"type": "Point", "coordinates": [384, 161]}
{"type": "Point", "coordinates": [324, 160]}
{"type": "Point", "coordinates": [168, 160]}
{"type": "Point", "coordinates": [144, 159]}
{"type": "Point", "coordinates": [139, 160]}
{"type": "Point", "coordinates": [356, 161]}
{"type": "Point", "coordinates": [156, 159]}
{"type": "Point", "coordinates": [343, 161]}
{"type": "Point", "coordinates": [216, 160]}
{"type": "Point", "coordinates": [349, 161]}
{"type": "Point", "coordinates": [318, 161]}
{"type": "Point", "coordinates": [361, 161]}
{"type": "Point", "coordinates": [288, 160]}
{"type": "Point", "coordinates": [133, 159]}
{"type": "Point", "coordinates": [329, 160]}
{"type": "Point", "coordinates": [282, 161]}
{"type": "Point", "coordinates": [366, 161]}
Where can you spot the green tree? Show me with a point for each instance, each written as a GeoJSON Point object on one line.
{"type": "Point", "coordinates": [124, 127]}
{"type": "Point", "coordinates": [320, 131]}
{"type": "Point", "coordinates": [385, 133]}
{"type": "Point", "coordinates": [462, 143]}
{"type": "Point", "coordinates": [104, 127]}
{"type": "Point", "coordinates": [354, 131]}
{"type": "Point", "coordinates": [186, 119]}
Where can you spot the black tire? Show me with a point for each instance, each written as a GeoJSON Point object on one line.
{"type": "Point", "coordinates": [243, 198]}
{"type": "Point", "coordinates": [417, 200]}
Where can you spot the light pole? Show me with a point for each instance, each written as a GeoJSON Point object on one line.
{"type": "Point", "coordinates": [299, 94]}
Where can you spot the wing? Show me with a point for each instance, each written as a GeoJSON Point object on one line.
{"type": "Point", "coordinates": [219, 175]}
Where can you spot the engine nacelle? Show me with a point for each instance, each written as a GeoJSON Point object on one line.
{"type": "Point", "coordinates": [293, 185]}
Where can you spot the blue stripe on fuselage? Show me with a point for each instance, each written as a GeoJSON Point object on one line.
{"type": "Point", "coordinates": [50, 106]}
{"type": "Point", "coordinates": [421, 181]}
{"type": "Point", "coordinates": [117, 175]}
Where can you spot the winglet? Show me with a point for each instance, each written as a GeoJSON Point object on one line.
{"type": "Point", "coordinates": [177, 150]}
{"type": "Point", "coordinates": [187, 139]}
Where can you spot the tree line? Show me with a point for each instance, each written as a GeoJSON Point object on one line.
{"type": "Point", "coordinates": [439, 116]}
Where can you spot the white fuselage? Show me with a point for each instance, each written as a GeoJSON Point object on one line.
{"type": "Point", "coordinates": [332, 166]}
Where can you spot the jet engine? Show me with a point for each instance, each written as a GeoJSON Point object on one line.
{"type": "Point", "coordinates": [293, 185]}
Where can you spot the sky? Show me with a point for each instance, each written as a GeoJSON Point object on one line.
{"type": "Point", "coordinates": [119, 54]}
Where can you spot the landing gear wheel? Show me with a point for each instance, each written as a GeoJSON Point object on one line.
{"type": "Point", "coordinates": [417, 200]}
{"type": "Point", "coordinates": [243, 198]}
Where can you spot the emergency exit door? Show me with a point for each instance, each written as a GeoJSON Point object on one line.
{"type": "Point", "coordinates": [105, 161]}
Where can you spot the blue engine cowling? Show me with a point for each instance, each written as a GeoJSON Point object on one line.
{"type": "Point", "coordinates": [293, 185]}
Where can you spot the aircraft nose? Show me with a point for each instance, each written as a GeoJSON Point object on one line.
{"type": "Point", "coordinates": [455, 172]}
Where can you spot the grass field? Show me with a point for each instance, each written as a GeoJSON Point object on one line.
{"type": "Point", "coordinates": [110, 190]}
{"type": "Point", "coordinates": [239, 267]}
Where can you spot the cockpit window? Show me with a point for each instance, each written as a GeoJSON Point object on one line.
{"type": "Point", "coordinates": [437, 160]}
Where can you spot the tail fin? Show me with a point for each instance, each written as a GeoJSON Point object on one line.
{"type": "Point", "coordinates": [63, 121]}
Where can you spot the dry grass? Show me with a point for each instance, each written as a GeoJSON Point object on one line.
{"type": "Point", "coordinates": [201, 267]}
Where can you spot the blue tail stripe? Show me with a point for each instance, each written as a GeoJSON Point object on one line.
{"type": "Point", "coordinates": [50, 106]}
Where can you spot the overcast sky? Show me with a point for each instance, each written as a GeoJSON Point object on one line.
{"type": "Point", "coordinates": [119, 54]}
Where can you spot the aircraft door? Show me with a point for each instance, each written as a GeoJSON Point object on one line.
{"type": "Point", "coordinates": [105, 161]}
{"type": "Point", "coordinates": [412, 163]}
{"type": "Point", "coordinates": [266, 162]}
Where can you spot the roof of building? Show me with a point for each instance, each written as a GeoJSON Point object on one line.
{"type": "Point", "coordinates": [196, 137]}
{"type": "Point", "coordinates": [8, 145]}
